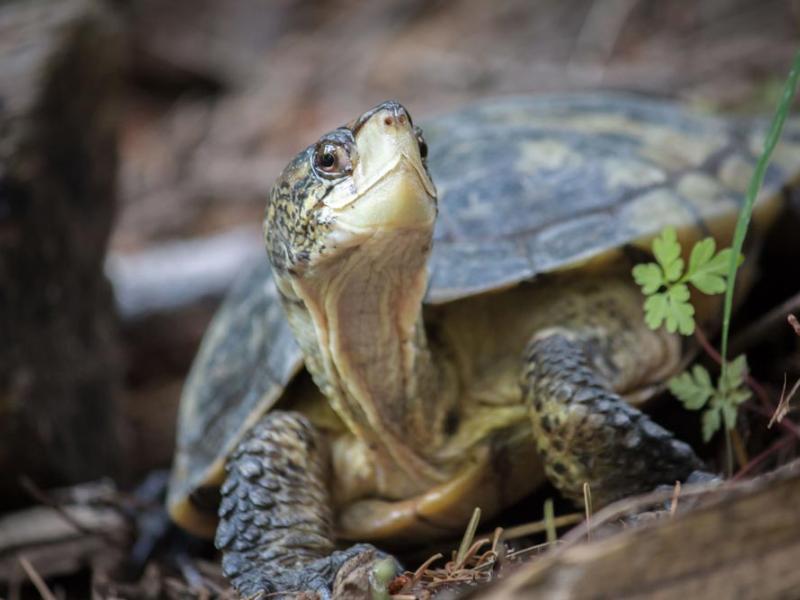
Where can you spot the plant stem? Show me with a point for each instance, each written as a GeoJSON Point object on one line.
{"type": "Point", "coordinates": [728, 454]}
{"type": "Point", "coordinates": [752, 191]}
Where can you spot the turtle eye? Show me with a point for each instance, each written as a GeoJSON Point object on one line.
{"type": "Point", "coordinates": [332, 160]}
{"type": "Point", "coordinates": [423, 146]}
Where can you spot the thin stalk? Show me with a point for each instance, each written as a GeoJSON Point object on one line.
{"type": "Point", "coordinates": [756, 180]}
{"type": "Point", "coordinates": [469, 535]}
{"type": "Point", "coordinates": [549, 521]}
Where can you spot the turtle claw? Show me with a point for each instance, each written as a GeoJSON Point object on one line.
{"type": "Point", "coordinates": [365, 573]}
{"type": "Point", "coordinates": [360, 572]}
{"type": "Point", "coordinates": [381, 576]}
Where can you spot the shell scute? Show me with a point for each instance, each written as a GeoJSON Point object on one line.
{"type": "Point", "coordinates": [532, 185]}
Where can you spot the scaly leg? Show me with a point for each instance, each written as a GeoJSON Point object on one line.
{"type": "Point", "coordinates": [584, 430]}
{"type": "Point", "coordinates": [275, 528]}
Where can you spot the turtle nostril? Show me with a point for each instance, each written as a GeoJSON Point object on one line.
{"type": "Point", "coordinates": [401, 119]}
{"type": "Point", "coordinates": [388, 121]}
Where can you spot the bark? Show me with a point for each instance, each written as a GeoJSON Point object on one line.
{"type": "Point", "coordinates": [744, 543]}
{"type": "Point", "coordinates": [59, 370]}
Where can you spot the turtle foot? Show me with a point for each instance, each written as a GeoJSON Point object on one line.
{"type": "Point", "coordinates": [357, 572]}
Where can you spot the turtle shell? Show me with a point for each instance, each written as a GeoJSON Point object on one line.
{"type": "Point", "coordinates": [527, 186]}
{"type": "Point", "coordinates": [534, 185]}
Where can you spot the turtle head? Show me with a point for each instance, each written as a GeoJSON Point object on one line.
{"type": "Point", "coordinates": [364, 179]}
{"type": "Point", "coordinates": [348, 231]}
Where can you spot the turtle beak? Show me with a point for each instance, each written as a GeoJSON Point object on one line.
{"type": "Point", "coordinates": [392, 187]}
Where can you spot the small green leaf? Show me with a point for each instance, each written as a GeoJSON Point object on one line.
{"type": "Point", "coordinates": [705, 272]}
{"type": "Point", "coordinates": [719, 263]}
{"type": "Point", "coordinates": [655, 310]}
{"type": "Point", "coordinates": [667, 251]}
{"type": "Point", "coordinates": [680, 313]}
{"type": "Point", "coordinates": [666, 246]}
{"type": "Point", "coordinates": [692, 389]}
{"type": "Point", "coordinates": [702, 378]}
{"type": "Point", "coordinates": [732, 389]}
{"type": "Point", "coordinates": [739, 396]}
{"type": "Point", "coordinates": [674, 270]}
{"type": "Point", "coordinates": [728, 415]}
{"type": "Point", "coordinates": [711, 423]}
{"type": "Point", "coordinates": [649, 276]}
{"type": "Point", "coordinates": [736, 372]}
{"type": "Point", "coordinates": [702, 252]}
{"type": "Point", "coordinates": [665, 282]}
{"type": "Point", "coordinates": [708, 283]}
{"type": "Point", "coordinates": [696, 390]}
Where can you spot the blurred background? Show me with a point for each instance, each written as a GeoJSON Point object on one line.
{"type": "Point", "coordinates": [139, 139]}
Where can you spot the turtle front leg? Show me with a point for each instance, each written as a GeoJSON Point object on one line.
{"type": "Point", "coordinates": [275, 529]}
{"type": "Point", "coordinates": [584, 430]}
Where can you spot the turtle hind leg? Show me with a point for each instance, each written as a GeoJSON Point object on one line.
{"type": "Point", "coordinates": [275, 529]}
{"type": "Point", "coordinates": [586, 432]}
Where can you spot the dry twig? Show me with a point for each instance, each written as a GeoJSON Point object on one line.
{"type": "Point", "coordinates": [541, 526]}
{"type": "Point", "coordinates": [43, 498]}
{"type": "Point", "coordinates": [36, 579]}
{"type": "Point", "coordinates": [673, 507]}
{"type": "Point", "coordinates": [587, 502]}
{"type": "Point", "coordinates": [783, 404]}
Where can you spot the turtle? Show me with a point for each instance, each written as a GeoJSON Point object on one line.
{"type": "Point", "coordinates": [445, 321]}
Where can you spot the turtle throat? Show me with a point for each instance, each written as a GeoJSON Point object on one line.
{"type": "Point", "coordinates": [367, 348]}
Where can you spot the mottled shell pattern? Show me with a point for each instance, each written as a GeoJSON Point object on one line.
{"type": "Point", "coordinates": [527, 186]}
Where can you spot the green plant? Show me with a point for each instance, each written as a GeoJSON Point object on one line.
{"type": "Point", "coordinates": [742, 223]}
{"type": "Point", "coordinates": [695, 390]}
{"type": "Point", "coordinates": [665, 285]}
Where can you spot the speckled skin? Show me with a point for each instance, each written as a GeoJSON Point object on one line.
{"type": "Point", "coordinates": [566, 190]}
{"type": "Point", "coordinates": [297, 228]}
{"type": "Point", "coordinates": [586, 432]}
{"type": "Point", "coordinates": [276, 521]}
